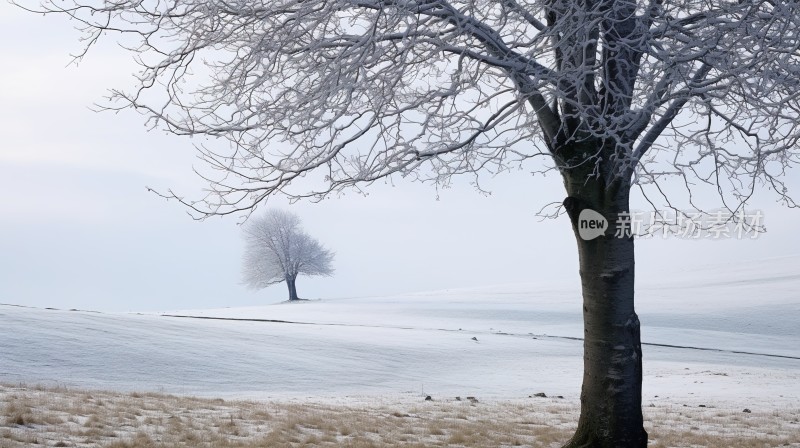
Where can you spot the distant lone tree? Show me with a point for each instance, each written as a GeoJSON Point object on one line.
{"type": "Point", "coordinates": [279, 250]}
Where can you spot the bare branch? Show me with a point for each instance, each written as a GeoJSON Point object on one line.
{"type": "Point", "coordinates": [306, 98]}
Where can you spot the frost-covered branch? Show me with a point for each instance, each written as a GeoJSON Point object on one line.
{"type": "Point", "coordinates": [344, 92]}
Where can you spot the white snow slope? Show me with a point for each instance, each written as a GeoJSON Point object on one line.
{"type": "Point", "coordinates": [728, 334]}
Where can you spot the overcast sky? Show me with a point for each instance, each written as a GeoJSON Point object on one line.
{"type": "Point", "coordinates": [79, 230]}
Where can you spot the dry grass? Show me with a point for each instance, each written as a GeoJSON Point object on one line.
{"type": "Point", "coordinates": [33, 416]}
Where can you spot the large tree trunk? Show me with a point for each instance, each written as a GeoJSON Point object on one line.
{"type": "Point", "coordinates": [611, 396]}
{"type": "Point", "coordinates": [290, 283]}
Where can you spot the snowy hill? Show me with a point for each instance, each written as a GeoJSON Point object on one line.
{"type": "Point", "coordinates": [728, 333]}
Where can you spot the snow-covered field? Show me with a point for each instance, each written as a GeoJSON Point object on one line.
{"type": "Point", "coordinates": [725, 335]}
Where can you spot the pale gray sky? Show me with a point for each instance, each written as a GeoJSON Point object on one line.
{"type": "Point", "coordinates": [79, 230]}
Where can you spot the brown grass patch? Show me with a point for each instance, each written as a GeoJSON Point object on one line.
{"type": "Point", "coordinates": [62, 417]}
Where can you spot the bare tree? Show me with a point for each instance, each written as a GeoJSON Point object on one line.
{"type": "Point", "coordinates": [278, 250]}
{"type": "Point", "coordinates": [613, 94]}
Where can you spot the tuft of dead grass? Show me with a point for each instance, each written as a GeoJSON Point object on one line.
{"type": "Point", "coordinates": [64, 417]}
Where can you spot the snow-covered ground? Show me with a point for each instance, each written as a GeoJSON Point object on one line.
{"type": "Point", "coordinates": [728, 335]}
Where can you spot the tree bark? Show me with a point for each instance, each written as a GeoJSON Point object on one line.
{"type": "Point", "coordinates": [290, 283]}
{"type": "Point", "coordinates": [611, 395]}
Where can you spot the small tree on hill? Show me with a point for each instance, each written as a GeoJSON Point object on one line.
{"type": "Point", "coordinates": [279, 250]}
